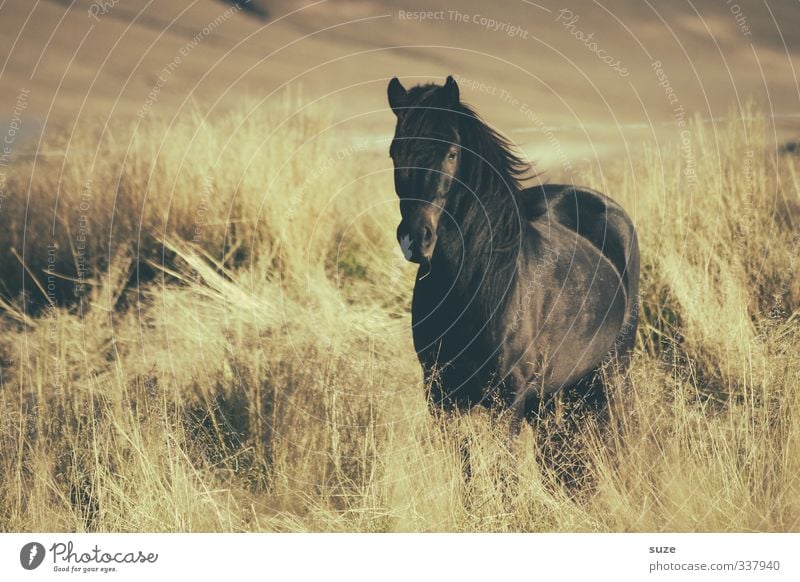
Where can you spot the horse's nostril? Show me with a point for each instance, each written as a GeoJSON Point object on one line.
{"type": "Point", "coordinates": [427, 236]}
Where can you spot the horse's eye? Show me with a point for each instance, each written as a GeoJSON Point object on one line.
{"type": "Point", "coordinates": [451, 156]}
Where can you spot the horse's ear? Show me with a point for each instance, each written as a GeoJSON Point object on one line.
{"type": "Point", "coordinates": [397, 95]}
{"type": "Point", "coordinates": [451, 92]}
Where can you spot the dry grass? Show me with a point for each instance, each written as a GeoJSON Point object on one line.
{"type": "Point", "coordinates": [240, 358]}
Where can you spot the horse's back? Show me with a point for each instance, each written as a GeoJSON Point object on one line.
{"type": "Point", "coordinates": [574, 221]}
{"type": "Point", "coordinates": [596, 218]}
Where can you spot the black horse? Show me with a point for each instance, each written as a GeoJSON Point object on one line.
{"type": "Point", "coordinates": [521, 294]}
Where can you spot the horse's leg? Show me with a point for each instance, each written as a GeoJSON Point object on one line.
{"type": "Point", "coordinates": [560, 426]}
{"type": "Point", "coordinates": [441, 403]}
{"type": "Point", "coordinates": [525, 407]}
{"type": "Point", "coordinates": [618, 381]}
{"type": "Point", "coordinates": [514, 393]}
{"type": "Point", "coordinates": [438, 403]}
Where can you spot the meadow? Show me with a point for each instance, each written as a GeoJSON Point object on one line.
{"type": "Point", "coordinates": [206, 328]}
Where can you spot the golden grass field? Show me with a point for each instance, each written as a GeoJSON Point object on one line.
{"type": "Point", "coordinates": [239, 357]}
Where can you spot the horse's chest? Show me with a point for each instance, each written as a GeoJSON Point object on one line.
{"type": "Point", "coordinates": [447, 323]}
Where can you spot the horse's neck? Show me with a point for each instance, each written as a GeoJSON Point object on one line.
{"type": "Point", "coordinates": [477, 259]}
{"type": "Point", "coordinates": [495, 224]}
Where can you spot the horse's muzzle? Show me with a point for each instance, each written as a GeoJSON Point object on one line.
{"type": "Point", "coordinates": [417, 240]}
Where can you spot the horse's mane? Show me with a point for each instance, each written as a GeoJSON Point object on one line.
{"type": "Point", "coordinates": [495, 163]}
{"type": "Point", "coordinates": [501, 166]}
{"type": "Point", "coordinates": [494, 171]}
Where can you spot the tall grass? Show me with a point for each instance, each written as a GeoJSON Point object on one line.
{"type": "Point", "coordinates": [206, 328]}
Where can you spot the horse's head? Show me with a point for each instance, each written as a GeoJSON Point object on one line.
{"type": "Point", "coordinates": [426, 152]}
